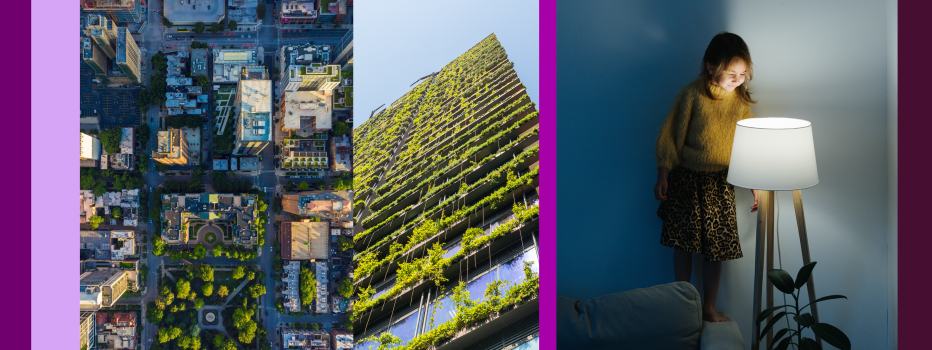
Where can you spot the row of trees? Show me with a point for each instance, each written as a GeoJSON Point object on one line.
{"type": "Point", "coordinates": [96, 181]}
{"type": "Point", "coordinates": [185, 121]}
{"type": "Point", "coordinates": [198, 252]}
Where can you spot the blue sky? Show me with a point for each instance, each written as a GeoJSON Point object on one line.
{"type": "Point", "coordinates": [397, 42]}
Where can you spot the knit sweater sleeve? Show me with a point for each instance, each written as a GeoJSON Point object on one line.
{"type": "Point", "coordinates": [673, 132]}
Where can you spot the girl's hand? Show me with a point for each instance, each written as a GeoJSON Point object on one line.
{"type": "Point", "coordinates": [660, 190]}
{"type": "Point", "coordinates": [754, 207]}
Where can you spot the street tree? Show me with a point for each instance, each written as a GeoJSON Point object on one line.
{"type": "Point", "coordinates": [302, 186]}
{"type": "Point", "coordinates": [257, 290]}
{"type": "Point", "coordinates": [232, 25]}
{"type": "Point", "coordinates": [214, 27]}
{"type": "Point", "coordinates": [260, 11]}
{"type": "Point", "coordinates": [199, 27]}
{"type": "Point", "coordinates": [95, 221]}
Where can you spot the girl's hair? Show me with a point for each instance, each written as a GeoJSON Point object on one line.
{"type": "Point", "coordinates": [725, 49]}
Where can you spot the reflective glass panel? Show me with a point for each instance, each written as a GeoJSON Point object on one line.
{"type": "Point", "coordinates": [405, 328]}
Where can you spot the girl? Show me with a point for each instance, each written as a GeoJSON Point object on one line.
{"type": "Point", "coordinates": [693, 150]}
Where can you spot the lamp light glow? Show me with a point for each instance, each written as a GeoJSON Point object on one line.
{"type": "Point", "coordinates": [774, 154]}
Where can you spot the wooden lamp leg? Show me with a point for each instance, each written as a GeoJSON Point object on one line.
{"type": "Point", "coordinates": [804, 244]}
{"type": "Point", "coordinates": [759, 266]}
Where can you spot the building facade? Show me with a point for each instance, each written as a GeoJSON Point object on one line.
{"type": "Point", "coordinates": [103, 32]}
{"type": "Point", "coordinates": [88, 330]}
{"type": "Point", "coordinates": [298, 12]}
{"type": "Point", "coordinates": [94, 56]}
{"type": "Point", "coordinates": [120, 11]}
{"type": "Point", "coordinates": [127, 55]}
{"type": "Point", "coordinates": [90, 147]}
{"type": "Point", "coordinates": [460, 196]}
{"type": "Point", "coordinates": [172, 148]}
{"type": "Point", "coordinates": [331, 11]}
{"type": "Point", "coordinates": [102, 288]}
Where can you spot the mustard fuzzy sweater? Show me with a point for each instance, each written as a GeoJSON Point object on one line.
{"type": "Point", "coordinates": [699, 131]}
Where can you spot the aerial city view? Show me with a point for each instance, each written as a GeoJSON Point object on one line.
{"type": "Point", "coordinates": [447, 211]}
{"type": "Point", "coordinates": [216, 174]}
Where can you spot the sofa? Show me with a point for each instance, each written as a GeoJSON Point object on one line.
{"type": "Point", "coordinates": [667, 316]}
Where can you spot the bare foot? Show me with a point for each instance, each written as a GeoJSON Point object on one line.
{"type": "Point", "coordinates": [713, 316]}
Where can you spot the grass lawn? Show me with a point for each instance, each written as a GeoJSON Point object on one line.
{"type": "Point", "coordinates": [224, 143]}
{"type": "Point", "coordinates": [225, 278]}
{"type": "Point", "coordinates": [210, 238]}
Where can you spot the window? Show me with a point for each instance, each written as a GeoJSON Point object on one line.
{"type": "Point", "coordinates": [513, 270]}
{"type": "Point", "coordinates": [533, 344]}
{"type": "Point", "coordinates": [453, 249]}
{"type": "Point", "coordinates": [477, 286]}
{"type": "Point", "coordinates": [444, 311]}
{"type": "Point", "coordinates": [406, 327]}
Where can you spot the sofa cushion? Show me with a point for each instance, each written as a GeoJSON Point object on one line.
{"type": "Point", "coordinates": [721, 335]}
{"type": "Point", "coordinates": [667, 316]}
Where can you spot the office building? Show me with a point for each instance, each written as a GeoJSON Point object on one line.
{"type": "Point", "coordinates": [305, 240]}
{"type": "Point", "coordinates": [121, 11]}
{"type": "Point", "coordinates": [127, 55]}
{"type": "Point", "coordinates": [102, 288]}
{"type": "Point", "coordinates": [199, 62]}
{"type": "Point", "coordinates": [254, 115]}
{"type": "Point", "coordinates": [88, 330]}
{"type": "Point", "coordinates": [94, 56]}
{"type": "Point", "coordinates": [229, 63]}
{"type": "Point", "coordinates": [462, 189]}
{"type": "Point", "coordinates": [102, 32]}
{"type": "Point", "coordinates": [172, 148]}
{"type": "Point", "coordinates": [306, 68]}
{"type": "Point", "coordinates": [90, 147]}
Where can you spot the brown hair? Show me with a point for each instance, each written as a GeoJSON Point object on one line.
{"type": "Point", "coordinates": [725, 49]}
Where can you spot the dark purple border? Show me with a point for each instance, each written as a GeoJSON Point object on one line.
{"type": "Point", "coordinates": [548, 169]}
{"type": "Point", "coordinates": [16, 179]}
{"type": "Point", "coordinates": [913, 188]}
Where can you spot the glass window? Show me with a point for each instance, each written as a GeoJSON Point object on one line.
{"type": "Point", "coordinates": [406, 327]}
{"type": "Point", "coordinates": [513, 270]}
{"type": "Point", "coordinates": [477, 287]}
{"type": "Point", "coordinates": [533, 344]}
{"type": "Point", "coordinates": [455, 248]}
{"type": "Point", "coordinates": [445, 311]}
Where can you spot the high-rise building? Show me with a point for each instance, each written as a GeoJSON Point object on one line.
{"type": "Point", "coordinates": [102, 288]}
{"type": "Point", "coordinates": [448, 179]}
{"type": "Point", "coordinates": [172, 148]}
{"type": "Point", "coordinates": [93, 56]}
{"type": "Point", "coordinates": [127, 55]}
{"type": "Point", "coordinates": [90, 147]}
{"type": "Point", "coordinates": [254, 108]}
{"type": "Point", "coordinates": [88, 330]}
{"type": "Point", "coordinates": [305, 68]}
{"type": "Point", "coordinates": [120, 11]}
{"type": "Point", "coordinates": [103, 32]}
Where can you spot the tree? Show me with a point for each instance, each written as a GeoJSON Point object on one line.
{"type": "Point", "coordinates": [95, 221]}
{"type": "Point", "coordinates": [223, 292]}
{"type": "Point", "coordinates": [204, 272]}
{"type": "Point", "coordinates": [159, 62]}
{"type": "Point", "coordinates": [199, 251]}
{"type": "Point", "coordinates": [302, 186]}
{"type": "Point", "coordinates": [256, 290]}
{"type": "Point", "coordinates": [238, 272]}
{"type": "Point", "coordinates": [203, 81]}
{"type": "Point", "coordinates": [340, 128]}
{"type": "Point", "coordinates": [308, 285]}
{"type": "Point", "coordinates": [182, 288]}
{"type": "Point", "coordinates": [153, 313]}
{"type": "Point", "coordinates": [232, 25]}
{"type": "Point", "coordinates": [110, 140]}
{"type": "Point", "coordinates": [343, 183]}
{"type": "Point", "coordinates": [250, 275]}
{"type": "Point", "coordinates": [321, 185]}
{"type": "Point", "coordinates": [218, 250]}
{"type": "Point", "coordinates": [345, 243]}
{"type": "Point", "coordinates": [207, 289]}
{"type": "Point", "coordinates": [158, 247]}
{"type": "Point", "coordinates": [100, 188]}
{"type": "Point", "coordinates": [214, 27]}
{"type": "Point", "coordinates": [143, 164]}
{"type": "Point", "coordinates": [199, 27]}
{"type": "Point", "coordinates": [198, 303]}
{"type": "Point", "coordinates": [260, 11]}
{"type": "Point", "coordinates": [345, 288]}
{"type": "Point", "coordinates": [166, 23]}
{"type": "Point", "coordinates": [167, 334]}
{"type": "Point", "coordinates": [116, 210]}
{"type": "Point", "coordinates": [142, 100]}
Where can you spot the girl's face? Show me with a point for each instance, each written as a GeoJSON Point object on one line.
{"type": "Point", "coordinates": [732, 77]}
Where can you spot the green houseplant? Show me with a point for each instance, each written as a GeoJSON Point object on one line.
{"type": "Point", "coordinates": [784, 282]}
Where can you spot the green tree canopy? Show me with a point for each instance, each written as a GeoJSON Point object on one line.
{"type": "Point", "coordinates": [308, 285]}
{"type": "Point", "coordinates": [345, 288]}
{"type": "Point", "coordinates": [214, 27]}
{"type": "Point", "coordinates": [239, 272]}
{"type": "Point", "coordinates": [260, 11]}
{"type": "Point", "coordinates": [340, 128]}
{"type": "Point", "coordinates": [223, 292]}
{"type": "Point", "coordinates": [232, 25]}
{"type": "Point", "coordinates": [110, 140]}
{"type": "Point", "coordinates": [207, 289]}
{"type": "Point", "coordinates": [95, 221]}
{"type": "Point", "coordinates": [302, 186]}
{"type": "Point", "coordinates": [204, 272]}
{"type": "Point", "coordinates": [199, 27]}
{"type": "Point", "coordinates": [182, 288]}
{"type": "Point", "coordinates": [256, 290]}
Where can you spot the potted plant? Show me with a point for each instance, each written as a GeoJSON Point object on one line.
{"type": "Point", "coordinates": [784, 282]}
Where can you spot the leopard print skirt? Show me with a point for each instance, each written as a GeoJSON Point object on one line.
{"type": "Point", "coordinates": [699, 214]}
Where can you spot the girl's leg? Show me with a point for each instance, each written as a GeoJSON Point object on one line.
{"type": "Point", "coordinates": [711, 275]}
{"type": "Point", "coordinates": [682, 264]}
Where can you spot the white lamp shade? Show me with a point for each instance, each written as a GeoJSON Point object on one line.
{"type": "Point", "coordinates": [773, 154]}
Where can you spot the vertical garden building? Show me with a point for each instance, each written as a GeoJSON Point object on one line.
{"type": "Point", "coordinates": [447, 209]}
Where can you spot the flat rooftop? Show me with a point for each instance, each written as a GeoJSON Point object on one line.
{"type": "Point", "coordinates": [308, 105]}
{"type": "Point", "coordinates": [187, 12]}
{"type": "Point", "coordinates": [255, 107]}
{"type": "Point", "coordinates": [305, 240]}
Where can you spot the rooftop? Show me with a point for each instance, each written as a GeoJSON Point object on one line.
{"type": "Point", "coordinates": [322, 204]}
{"type": "Point", "coordinates": [306, 339]}
{"type": "Point", "coordinates": [126, 141]}
{"type": "Point", "coordinates": [255, 106]}
{"type": "Point", "coordinates": [305, 240]}
{"type": "Point", "coordinates": [298, 9]}
{"type": "Point", "coordinates": [320, 301]}
{"type": "Point", "coordinates": [236, 210]}
{"type": "Point", "coordinates": [291, 285]}
{"type": "Point", "coordinates": [190, 12]}
{"type": "Point", "coordinates": [243, 15]}
{"type": "Point", "coordinates": [307, 109]}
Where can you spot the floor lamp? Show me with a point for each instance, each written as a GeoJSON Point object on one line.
{"type": "Point", "coordinates": [774, 154]}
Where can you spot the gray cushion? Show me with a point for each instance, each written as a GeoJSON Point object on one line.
{"type": "Point", "coordinates": [721, 335]}
{"type": "Point", "coordinates": [667, 316]}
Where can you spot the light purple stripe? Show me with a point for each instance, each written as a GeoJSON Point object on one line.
{"type": "Point", "coordinates": [55, 113]}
